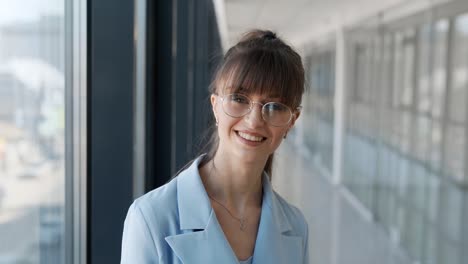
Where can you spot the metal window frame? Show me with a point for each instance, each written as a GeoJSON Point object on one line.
{"type": "Point", "coordinates": [75, 131]}
{"type": "Point", "coordinates": [139, 157]}
{"type": "Point", "coordinates": [341, 78]}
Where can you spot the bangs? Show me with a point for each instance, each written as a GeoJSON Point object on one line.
{"type": "Point", "coordinates": [265, 72]}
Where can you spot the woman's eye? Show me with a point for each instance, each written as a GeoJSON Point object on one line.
{"type": "Point", "coordinates": [277, 107]}
{"type": "Point", "coordinates": [239, 99]}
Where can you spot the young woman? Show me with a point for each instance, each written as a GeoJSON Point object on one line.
{"type": "Point", "coordinates": [222, 208]}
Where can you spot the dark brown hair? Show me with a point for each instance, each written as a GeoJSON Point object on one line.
{"type": "Point", "coordinates": [260, 63]}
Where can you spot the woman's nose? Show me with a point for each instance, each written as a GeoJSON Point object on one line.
{"type": "Point", "coordinates": [254, 117]}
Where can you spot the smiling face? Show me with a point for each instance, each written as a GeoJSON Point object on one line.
{"type": "Point", "coordinates": [263, 68]}
{"type": "Point", "coordinates": [248, 138]}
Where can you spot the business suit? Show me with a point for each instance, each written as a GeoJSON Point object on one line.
{"type": "Point", "coordinates": [176, 224]}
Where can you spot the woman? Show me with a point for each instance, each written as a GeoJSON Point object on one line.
{"type": "Point", "coordinates": [222, 208]}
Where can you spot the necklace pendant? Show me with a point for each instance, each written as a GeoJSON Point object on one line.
{"type": "Point", "coordinates": [242, 225]}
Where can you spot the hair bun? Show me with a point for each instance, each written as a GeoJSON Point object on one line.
{"type": "Point", "coordinates": [258, 35]}
{"type": "Point", "coordinates": [269, 35]}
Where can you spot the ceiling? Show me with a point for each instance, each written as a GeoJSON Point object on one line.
{"type": "Point", "coordinates": [300, 21]}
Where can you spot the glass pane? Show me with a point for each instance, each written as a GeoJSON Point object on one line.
{"type": "Point", "coordinates": [373, 69]}
{"type": "Point", "coordinates": [459, 76]}
{"type": "Point", "coordinates": [413, 233]}
{"type": "Point", "coordinates": [431, 246]}
{"type": "Point", "coordinates": [404, 131]}
{"type": "Point", "coordinates": [424, 69]}
{"type": "Point", "coordinates": [385, 82]}
{"type": "Point", "coordinates": [318, 111]}
{"type": "Point", "coordinates": [417, 187]}
{"type": "Point", "coordinates": [440, 73]}
{"type": "Point", "coordinates": [403, 70]}
{"type": "Point", "coordinates": [433, 194]}
{"type": "Point", "coordinates": [360, 73]}
{"type": "Point", "coordinates": [422, 136]}
{"type": "Point", "coordinates": [451, 212]}
{"type": "Point", "coordinates": [386, 187]}
{"type": "Point", "coordinates": [407, 87]}
{"type": "Point", "coordinates": [435, 154]}
{"type": "Point", "coordinates": [402, 167]}
{"type": "Point", "coordinates": [455, 153]}
{"type": "Point", "coordinates": [394, 159]}
{"type": "Point", "coordinates": [403, 177]}
{"type": "Point", "coordinates": [449, 253]}
{"type": "Point", "coordinates": [397, 69]}
{"type": "Point", "coordinates": [32, 131]}
{"type": "Point", "coordinates": [388, 124]}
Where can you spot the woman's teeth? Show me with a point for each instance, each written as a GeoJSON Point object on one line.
{"type": "Point", "coordinates": [250, 137]}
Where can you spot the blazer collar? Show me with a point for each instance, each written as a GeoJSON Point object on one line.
{"type": "Point", "coordinates": [209, 245]}
{"type": "Point", "coordinates": [275, 242]}
{"type": "Point", "coordinates": [194, 204]}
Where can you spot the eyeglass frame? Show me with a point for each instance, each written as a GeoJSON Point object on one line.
{"type": "Point", "coordinates": [252, 102]}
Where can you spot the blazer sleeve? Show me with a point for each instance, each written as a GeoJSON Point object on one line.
{"type": "Point", "coordinates": [138, 245]}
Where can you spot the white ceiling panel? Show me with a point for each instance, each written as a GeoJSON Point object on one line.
{"type": "Point", "coordinates": [299, 21]}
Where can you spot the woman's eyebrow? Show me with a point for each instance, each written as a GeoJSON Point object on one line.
{"type": "Point", "coordinates": [242, 90]}
{"type": "Point", "coordinates": [265, 99]}
{"type": "Point", "coordinates": [273, 97]}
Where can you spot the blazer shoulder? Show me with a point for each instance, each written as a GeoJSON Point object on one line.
{"type": "Point", "coordinates": [159, 209]}
{"type": "Point", "coordinates": [162, 198]}
{"type": "Point", "coordinates": [149, 220]}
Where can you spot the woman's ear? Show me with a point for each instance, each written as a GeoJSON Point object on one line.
{"type": "Point", "coordinates": [296, 115]}
{"type": "Point", "coordinates": [214, 102]}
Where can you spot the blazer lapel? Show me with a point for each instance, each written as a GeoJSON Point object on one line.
{"type": "Point", "coordinates": [274, 242]}
{"type": "Point", "coordinates": [202, 239]}
{"type": "Point", "coordinates": [208, 246]}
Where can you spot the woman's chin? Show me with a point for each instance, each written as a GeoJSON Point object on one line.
{"type": "Point", "coordinates": [249, 156]}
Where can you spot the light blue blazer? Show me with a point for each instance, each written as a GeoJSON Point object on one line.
{"type": "Point", "coordinates": [176, 224]}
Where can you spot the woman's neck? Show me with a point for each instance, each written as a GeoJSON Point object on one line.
{"type": "Point", "coordinates": [237, 184]}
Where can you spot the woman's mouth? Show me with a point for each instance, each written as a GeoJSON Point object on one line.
{"type": "Point", "coordinates": [249, 137]}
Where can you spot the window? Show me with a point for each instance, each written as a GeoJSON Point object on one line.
{"type": "Point", "coordinates": [456, 137]}
{"type": "Point", "coordinates": [318, 115]}
{"type": "Point", "coordinates": [35, 136]}
{"type": "Point", "coordinates": [408, 168]}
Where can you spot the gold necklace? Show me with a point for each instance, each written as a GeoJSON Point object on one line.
{"type": "Point", "coordinates": [242, 221]}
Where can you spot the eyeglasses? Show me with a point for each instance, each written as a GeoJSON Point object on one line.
{"type": "Point", "coordinates": [274, 113]}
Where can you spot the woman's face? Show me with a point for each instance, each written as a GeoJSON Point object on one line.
{"type": "Point", "coordinates": [248, 138]}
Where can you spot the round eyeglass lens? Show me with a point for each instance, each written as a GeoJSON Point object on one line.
{"type": "Point", "coordinates": [236, 105]}
{"type": "Point", "coordinates": [276, 114]}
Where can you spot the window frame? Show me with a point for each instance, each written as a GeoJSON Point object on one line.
{"type": "Point", "coordinates": [75, 131]}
